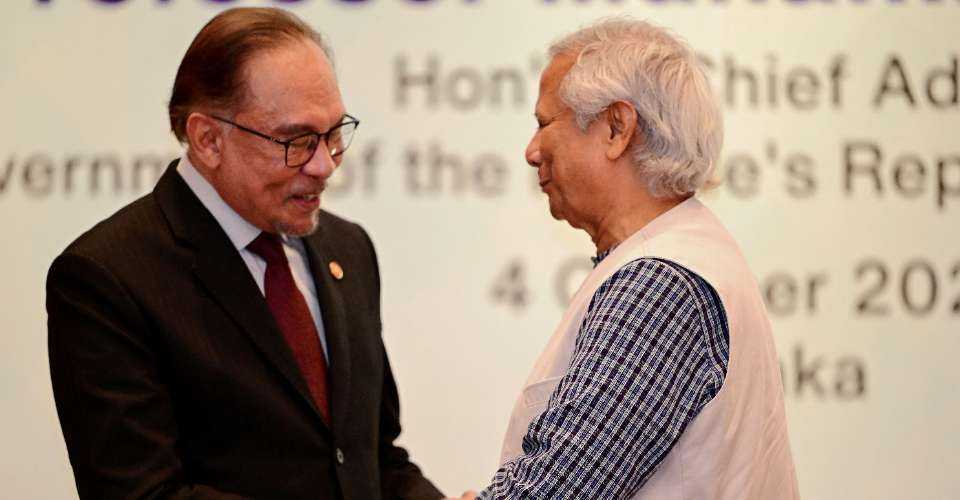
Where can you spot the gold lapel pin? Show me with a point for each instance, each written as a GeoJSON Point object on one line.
{"type": "Point", "coordinates": [336, 270]}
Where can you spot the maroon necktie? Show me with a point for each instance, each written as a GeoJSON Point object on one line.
{"type": "Point", "coordinates": [293, 317]}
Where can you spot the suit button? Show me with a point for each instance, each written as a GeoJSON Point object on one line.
{"type": "Point", "coordinates": [340, 457]}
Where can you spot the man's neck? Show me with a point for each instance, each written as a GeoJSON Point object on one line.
{"type": "Point", "coordinates": [624, 221]}
{"type": "Point", "coordinates": [199, 166]}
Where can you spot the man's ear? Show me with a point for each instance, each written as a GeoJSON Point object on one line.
{"type": "Point", "coordinates": [205, 139]}
{"type": "Point", "coordinates": [622, 118]}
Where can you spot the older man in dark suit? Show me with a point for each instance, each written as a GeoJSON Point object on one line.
{"type": "Point", "coordinates": [220, 337]}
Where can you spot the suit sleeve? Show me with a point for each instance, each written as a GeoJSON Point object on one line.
{"type": "Point", "coordinates": [115, 411]}
{"type": "Point", "coordinates": [399, 477]}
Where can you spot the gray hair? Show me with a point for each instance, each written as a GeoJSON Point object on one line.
{"type": "Point", "coordinates": [622, 59]}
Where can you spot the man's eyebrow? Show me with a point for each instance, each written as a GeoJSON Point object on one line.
{"type": "Point", "coordinates": [294, 129]}
{"type": "Point", "coordinates": [290, 129]}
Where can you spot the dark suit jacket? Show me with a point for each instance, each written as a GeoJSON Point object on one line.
{"type": "Point", "coordinates": [172, 379]}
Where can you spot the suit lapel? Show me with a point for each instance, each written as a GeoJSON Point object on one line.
{"type": "Point", "coordinates": [220, 269]}
{"type": "Point", "coordinates": [333, 310]}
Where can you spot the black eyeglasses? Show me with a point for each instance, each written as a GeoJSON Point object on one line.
{"type": "Point", "coordinates": [300, 149]}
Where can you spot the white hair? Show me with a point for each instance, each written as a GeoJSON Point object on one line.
{"type": "Point", "coordinates": [680, 128]}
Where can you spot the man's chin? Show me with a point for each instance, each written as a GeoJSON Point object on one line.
{"type": "Point", "coordinates": [555, 212]}
{"type": "Point", "coordinates": [300, 227]}
{"type": "Point", "coordinates": [562, 216]}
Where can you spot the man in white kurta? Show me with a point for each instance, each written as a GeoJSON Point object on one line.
{"type": "Point", "coordinates": [661, 380]}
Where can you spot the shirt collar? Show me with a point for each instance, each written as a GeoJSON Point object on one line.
{"type": "Point", "coordinates": [239, 230]}
{"type": "Point", "coordinates": [601, 255]}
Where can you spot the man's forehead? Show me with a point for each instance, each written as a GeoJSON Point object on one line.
{"type": "Point", "coordinates": [551, 79]}
{"type": "Point", "coordinates": [294, 85]}
{"type": "Point", "coordinates": [289, 65]}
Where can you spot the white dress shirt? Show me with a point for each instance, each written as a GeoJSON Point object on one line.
{"type": "Point", "coordinates": [241, 233]}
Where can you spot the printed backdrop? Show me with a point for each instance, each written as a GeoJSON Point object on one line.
{"type": "Point", "coordinates": [841, 174]}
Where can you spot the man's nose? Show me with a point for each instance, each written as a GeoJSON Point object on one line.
{"type": "Point", "coordinates": [321, 165]}
{"type": "Point", "coordinates": [533, 152]}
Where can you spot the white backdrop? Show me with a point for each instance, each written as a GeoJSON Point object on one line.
{"type": "Point", "coordinates": [842, 172]}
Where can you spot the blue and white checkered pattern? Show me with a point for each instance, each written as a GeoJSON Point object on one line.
{"type": "Point", "coordinates": [651, 352]}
